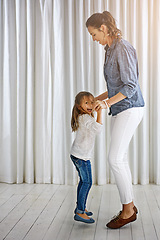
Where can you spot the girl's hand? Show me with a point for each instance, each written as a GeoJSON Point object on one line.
{"type": "Point", "coordinates": [100, 105]}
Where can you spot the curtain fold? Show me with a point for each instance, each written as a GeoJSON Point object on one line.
{"type": "Point", "coordinates": [46, 57]}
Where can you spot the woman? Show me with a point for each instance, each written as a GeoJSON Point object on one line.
{"type": "Point", "coordinates": [124, 98]}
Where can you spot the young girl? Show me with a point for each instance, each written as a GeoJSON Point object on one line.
{"type": "Point", "coordinates": [83, 122]}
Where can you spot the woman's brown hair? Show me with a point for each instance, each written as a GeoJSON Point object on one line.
{"type": "Point", "coordinates": [97, 19]}
{"type": "Point", "coordinates": [77, 110]}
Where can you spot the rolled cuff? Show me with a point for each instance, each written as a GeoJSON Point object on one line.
{"type": "Point", "coordinates": [79, 211]}
{"type": "Point", "coordinates": [128, 91]}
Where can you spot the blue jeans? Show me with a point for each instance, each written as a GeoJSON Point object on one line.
{"type": "Point", "coordinates": [85, 174]}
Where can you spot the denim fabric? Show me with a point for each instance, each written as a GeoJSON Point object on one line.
{"type": "Point", "coordinates": [121, 74]}
{"type": "Point", "coordinates": [85, 174]}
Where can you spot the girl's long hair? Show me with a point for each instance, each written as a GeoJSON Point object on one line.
{"type": "Point", "coordinates": [97, 19]}
{"type": "Point", "coordinates": [77, 110]}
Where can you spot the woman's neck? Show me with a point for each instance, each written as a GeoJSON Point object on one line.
{"type": "Point", "coordinates": [110, 41]}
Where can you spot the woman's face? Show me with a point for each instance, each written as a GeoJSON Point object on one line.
{"type": "Point", "coordinates": [100, 35]}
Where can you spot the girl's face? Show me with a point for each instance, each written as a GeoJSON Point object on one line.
{"type": "Point", "coordinates": [100, 35]}
{"type": "Point", "coordinates": [87, 104]}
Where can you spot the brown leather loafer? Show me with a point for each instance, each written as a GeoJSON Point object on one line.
{"type": "Point", "coordinates": [119, 222]}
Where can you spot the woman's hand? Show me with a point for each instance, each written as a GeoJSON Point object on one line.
{"type": "Point", "coordinates": [100, 105]}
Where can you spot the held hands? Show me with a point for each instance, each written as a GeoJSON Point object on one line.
{"type": "Point", "coordinates": [99, 105]}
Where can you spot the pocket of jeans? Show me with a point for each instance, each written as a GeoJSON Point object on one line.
{"type": "Point", "coordinates": [76, 161]}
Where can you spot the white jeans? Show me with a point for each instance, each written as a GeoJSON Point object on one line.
{"type": "Point", "coordinates": [123, 126]}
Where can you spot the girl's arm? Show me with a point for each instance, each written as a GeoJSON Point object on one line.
{"type": "Point", "coordinates": [102, 96]}
{"type": "Point", "coordinates": [99, 116]}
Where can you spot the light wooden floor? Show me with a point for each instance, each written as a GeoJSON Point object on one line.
{"type": "Point", "coordinates": [45, 211]}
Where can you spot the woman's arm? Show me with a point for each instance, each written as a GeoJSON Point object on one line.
{"type": "Point", "coordinates": [102, 96]}
{"type": "Point", "coordinates": [103, 104]}
{"type": "Point", "coordinates": [117, 98]}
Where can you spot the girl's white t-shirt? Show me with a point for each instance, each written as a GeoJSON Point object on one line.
{"type": "Point", "coordinates": [83, 144]}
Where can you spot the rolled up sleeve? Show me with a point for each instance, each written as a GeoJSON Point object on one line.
{"type": "Point", "coordinates": [128, 68]}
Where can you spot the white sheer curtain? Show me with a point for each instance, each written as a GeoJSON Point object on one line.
{"type": "Point", "coordinates": [46, 57]}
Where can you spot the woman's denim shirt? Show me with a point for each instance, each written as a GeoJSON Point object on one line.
{"type": "Point", "coordinates": [121, 75]}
